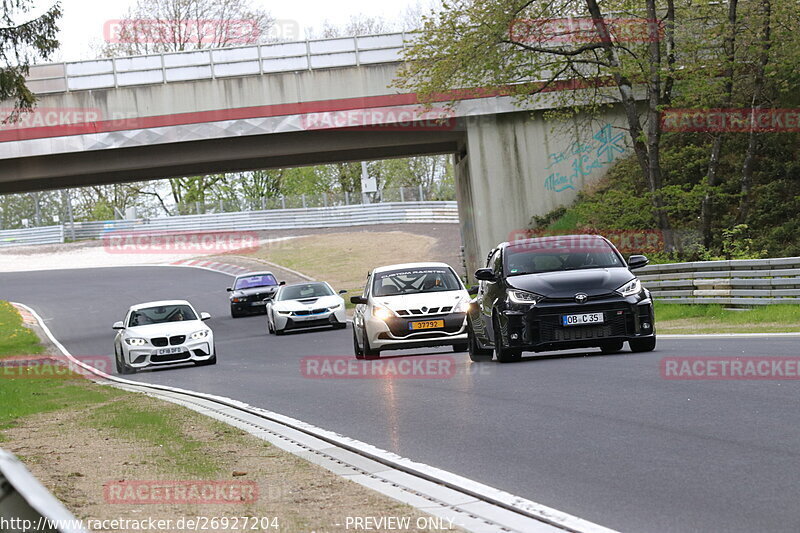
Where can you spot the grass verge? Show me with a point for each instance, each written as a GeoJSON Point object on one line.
{"type": "Point", "coordinates": [15, 338]}
{"type": "Point", "coordinates": [710, 318]}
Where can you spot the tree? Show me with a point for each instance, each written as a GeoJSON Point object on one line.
{"type": "Point", "coordinates": [476, 44]}
{"type": "Point", "coordinates": [23, 41]}
{"type": "Point", "coordinates": [155, 26]}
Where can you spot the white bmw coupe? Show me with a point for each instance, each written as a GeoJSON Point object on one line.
{"type": "Point", "coordinates": [163, 333]}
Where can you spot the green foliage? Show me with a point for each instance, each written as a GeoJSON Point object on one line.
{"type": "Point", "coordinates": [15, 338]}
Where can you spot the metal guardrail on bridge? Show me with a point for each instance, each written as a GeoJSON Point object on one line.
{"type": "Point", "coordinates": [40, 235]}
{"type": "Point", "coordinates": [273, 219]}
{"type": "Point", "coordinates": [735, 282]}
{"type": "Point", "coordinates": [216, 63]}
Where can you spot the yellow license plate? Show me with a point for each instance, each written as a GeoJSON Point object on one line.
{"type": "Point", "coordinates": [426, 324]}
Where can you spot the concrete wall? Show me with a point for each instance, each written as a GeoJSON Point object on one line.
{"type": "Point", "coordinates": [518, 165]}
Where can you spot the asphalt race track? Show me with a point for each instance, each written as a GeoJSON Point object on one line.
{"type": "Point", "coordinates": [600, 437]}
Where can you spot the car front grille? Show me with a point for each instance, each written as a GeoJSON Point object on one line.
{"type": "Point", "coordinates": [168, 358]}
{"type": "Point", "coordinates": [424, 311]}
{"type": "Point", "coordinates": [177, 339]}
{"type": "Point", "coordinates": [551, 330]}
{"type": "Point", "coordinates": [309, 312]}
{"type": "Point", "coordinates": [159, 341]}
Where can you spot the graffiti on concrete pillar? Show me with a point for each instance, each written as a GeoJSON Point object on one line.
{"type": "Point", "coordinates": [584, 158]}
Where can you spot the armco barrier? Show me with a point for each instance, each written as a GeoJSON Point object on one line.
{"type": "Point", "coordinates": [273, 219]}
{"type": "Point", "coordinates": [25, 502]}
{"type": "Point", "coordinates": [734, 282]}
{"type": "Point", "coordinates": [41, 235]}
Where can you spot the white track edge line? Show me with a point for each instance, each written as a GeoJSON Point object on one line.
{"type": "Point", "coordinates": [544, 513]}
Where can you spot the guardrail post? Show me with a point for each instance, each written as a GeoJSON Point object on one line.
{"type": "Point", "coordinates": [221, 206]}
{"type": "Point", "coordinates": [421, 193]}
{"type": "Point", "coordinates": [283, 202]}
{"type": "Point", "coordinates": [197, 207]}
{"type": "Point", "coordinates": [346, 198]}
{"type": "Point", "coordinates": [263, 203]}
{"type": "Point", "coordinates": [402, 197]}
{"type": "Point", "coordinates": [325, 199]}
{"type": "Point", "coordinates": [304, 200]}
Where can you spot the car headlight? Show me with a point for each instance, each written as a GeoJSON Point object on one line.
{"type": "Point", "coordinates": [381, 313]}
{"type": "Point", "coordinates": [461, 307]}
{"type": "Point", "coordinates": [202, 334]}
{"type": "Point", "coordinates": [631, 288]}
{"type": "Point", "coordinates": [284, 313]}
{"type": "Point", "coordinates": [136, 342]}
{"type": "Point", "coordinates": [337, 306]}
{"type": "Point", "coordinates": [524, 297]}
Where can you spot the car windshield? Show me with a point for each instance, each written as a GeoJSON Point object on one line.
{"type": "Point", "coordinates": [260, 280]}
{"type": "Point", "coordinates": [558, 254]}
{"type": "Point", "coordinates": [414, 281]}
{"type": "Point", "coordinates": [161, 314]}
{"type": "Point", "coordinates": [307, 290]}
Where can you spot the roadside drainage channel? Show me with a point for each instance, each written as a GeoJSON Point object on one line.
{"type": "Point", "coordinates": [470, 505]}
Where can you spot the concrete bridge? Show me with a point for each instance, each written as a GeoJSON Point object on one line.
{"type": "Point", "coordinates": [294, 104]}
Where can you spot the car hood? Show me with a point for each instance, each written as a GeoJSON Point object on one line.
{"type": "Point", "coordinates": [308, 303]}
{"type": "Point", "coordinates": [270, 289]}
{"type": "Point", "coordinates": [426, 299]}
{"type": "Point", "coordinates": [182, 327]}
{"type": "Point", "coordinates": [565, 283]}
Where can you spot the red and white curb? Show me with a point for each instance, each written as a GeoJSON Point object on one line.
{"type": "Point", "coordinates": [216, 266]}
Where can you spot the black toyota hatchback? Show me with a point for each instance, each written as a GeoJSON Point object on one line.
{"type": "Point", "coordinates": [559, 293]}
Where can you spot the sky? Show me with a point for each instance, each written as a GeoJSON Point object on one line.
{"type": "Point", "coordinates": [82, 23]}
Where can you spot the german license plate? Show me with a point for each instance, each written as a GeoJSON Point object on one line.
{"type": "Point", "coordinates": [259, 302]}
{"type": "Point", "coordinates": [168, 351]}
{"type": "Point", "coordinates": [426, 324]}
{"type": "Point", "coordinates": [585, 319]}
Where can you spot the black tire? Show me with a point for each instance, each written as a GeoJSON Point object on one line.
{"type": "Point", "coordinates": [369, 352]}
{"type": "Point", "coordinates": [503, 353]}
{"type": "Point", "coordinates": [340, 325]}
{"type": "Point", "coordinates": [122, 367]}
{"type": "Point", "coordinates": [235, 313]}
{"type": "Point", "coordinates": [356, 349]}
{"type": "Point", "coordinates": [643, 345]}
{"type": "Point", "coordinates": [476, 353]}
{"type": "Point", "coordinates": [612, 347]}
{"type": "Point", "coordinates": [279, 332]}
{"type": "Point", "coordinates": [461, 347]}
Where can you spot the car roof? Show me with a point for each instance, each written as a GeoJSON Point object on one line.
{"type": "Point", "coordinates": [305, 283]}
{"type": "Point", "coordinates": [159, 303]}
{"type": "Point", "coordinates": [402, 266]}
{"type": "Point", "coordinates": [546, 238]}
{"type": "Point", "coordinates": [259, 273]}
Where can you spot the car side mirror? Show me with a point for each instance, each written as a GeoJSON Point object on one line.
{"type": "Point", "coordinates": [204, 316]}
{"type": "Point", "coordinates": [358, 300]}
{"type": "Point", "coordinates": [343, 291]}
{"type": "Point", "coordinates": [637, 261]}
{"type": "Point", "coordinates": [118, 325]}
{"type": "Point", "coordinates": [282, 283]}
{"type": "Point", "coordinates": [485, 274]}
{"type": "Point", "coordinates": [472, 291]}
{"type": "Point", "coordinates": [229, 289]}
